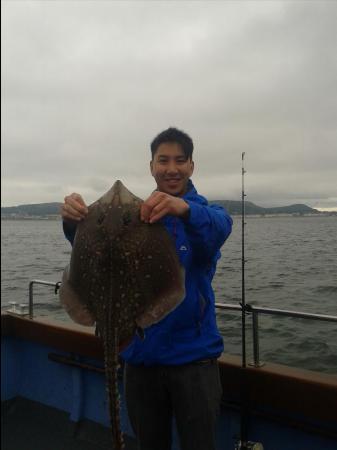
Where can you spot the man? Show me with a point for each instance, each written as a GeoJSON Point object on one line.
{"type": "Point", "coordinates": [173, 371]}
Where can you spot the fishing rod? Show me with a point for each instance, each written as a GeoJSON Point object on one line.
{"type": "Point", "coordinates": [243, 443]}
{"type": "Point", "coordinates": [243, 263]}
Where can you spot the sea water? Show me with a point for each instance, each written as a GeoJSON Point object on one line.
{"type": "Point", "coordinates": [291, 264]}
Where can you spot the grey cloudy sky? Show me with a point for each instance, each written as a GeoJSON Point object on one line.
{"type": "Point", "coordinates": [86, 85]}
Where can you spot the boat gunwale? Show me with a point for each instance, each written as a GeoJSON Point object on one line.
{"type": "Point", "coordinates": [298, 392]}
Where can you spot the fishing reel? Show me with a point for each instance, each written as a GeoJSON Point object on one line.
{"type": "Point", "coordinates": [248, 445]}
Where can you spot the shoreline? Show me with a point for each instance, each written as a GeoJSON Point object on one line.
{"type": "Point", "coordinates": [247, 216]}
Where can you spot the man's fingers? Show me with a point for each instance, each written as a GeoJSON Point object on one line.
{"type": "Point", "coordinates": [145, 212]}
{"type": "Point", "coordinates": [79, 201]}
{"type": "Point", "coordinates": [66, 215]}
{"type": "Point", "coordinates": [72, 212]}
{"type": "Point", "coordinates": [74, 207]}
{"type": "Point", "coordinates": [148, 205]}
{"type": "Point", "coordinates": [156, 206]}
{"type": "Point", "coordinates": [159, 211]}
{"type": "Point", "coordinates": [156, 215]}
{"type": "Point", "coordinates": [76, 202]}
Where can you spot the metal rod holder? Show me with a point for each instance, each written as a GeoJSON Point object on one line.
{"type": "Point", "coordinates": [256, 341]}
{"type": "Point", "coordinates": [56, 286]}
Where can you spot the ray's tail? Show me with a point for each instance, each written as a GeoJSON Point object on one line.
{"type": "Point", "coordinates": [110, 336]}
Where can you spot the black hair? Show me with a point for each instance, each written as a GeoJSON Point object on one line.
{"type": "Point", "coordinates": [173, 135]}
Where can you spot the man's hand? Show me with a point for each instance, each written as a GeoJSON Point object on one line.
{"type": "Point", "coordinates": [73, 208]}
{"type": "Point", "coordinates": [160, 204]}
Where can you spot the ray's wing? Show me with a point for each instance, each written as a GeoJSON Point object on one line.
{"type": "Point", "coordinates": [156, 274]}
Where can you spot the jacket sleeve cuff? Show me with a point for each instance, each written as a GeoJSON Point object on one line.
{"type": "Point", "coordinates": [196, 217]}
{"type": "Point", "coordinates": [69, 230]}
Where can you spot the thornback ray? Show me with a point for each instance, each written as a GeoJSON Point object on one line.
{"type": "Point", "coordinates": [123, 274]}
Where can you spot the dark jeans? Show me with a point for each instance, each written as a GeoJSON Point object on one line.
{"type": "Point", "coordinates": [191, 393]}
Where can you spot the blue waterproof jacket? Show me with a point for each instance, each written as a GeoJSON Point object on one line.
{"type": "Point", "coordinates": [189, 333]}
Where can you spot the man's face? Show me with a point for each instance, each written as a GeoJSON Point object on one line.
{"type": "Point", "coordinates": [171, 169]}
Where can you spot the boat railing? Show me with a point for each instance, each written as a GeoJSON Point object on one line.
{"type": "Point", "coordinates": [255, 311]}
{"type": "Point", "coordinates": [20, 309]}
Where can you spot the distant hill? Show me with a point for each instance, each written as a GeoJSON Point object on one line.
{"type": "Point", "coordinates": [34, 210]}
{"type": "Point", "coordinates": [232, 206]}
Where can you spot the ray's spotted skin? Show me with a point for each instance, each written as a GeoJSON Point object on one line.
{"type": "Point", "coordinates": [124, 275]}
